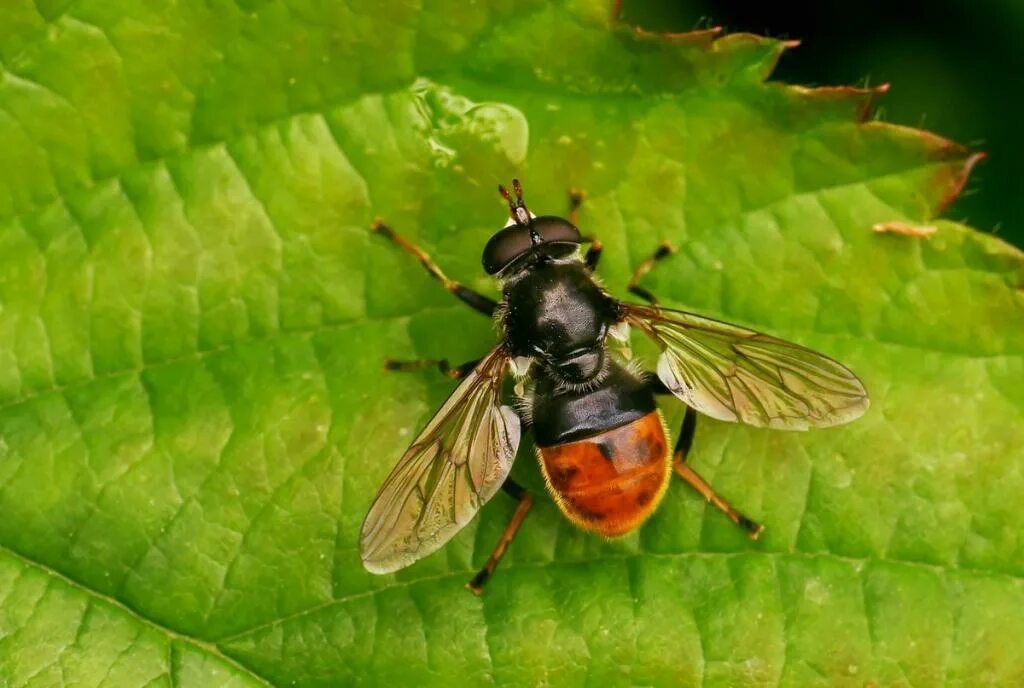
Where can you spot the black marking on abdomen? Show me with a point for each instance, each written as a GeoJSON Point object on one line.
{"type": "Point", "coordinates": [644, 497]}
{"type": "Point", "coordinates": [562, 476]}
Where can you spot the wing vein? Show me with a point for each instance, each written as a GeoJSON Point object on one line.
{"type": "Point", "coordinates": [735, 374]}
{"type": "Point", "coordinates": [449, 471]}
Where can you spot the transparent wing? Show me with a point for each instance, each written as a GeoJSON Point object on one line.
{"type": "Point", "coordinates": [455, 465]}
{"type": "Point", "coordinates": [735, 374]}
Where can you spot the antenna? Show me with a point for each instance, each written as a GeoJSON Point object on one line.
{"type": "Point", "coordinates": [518, 211]}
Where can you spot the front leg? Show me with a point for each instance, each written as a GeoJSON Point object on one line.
{"type": "Point", "coordinates": [663, 251]}
{"type": "Point", "coordinates": [593, 255]}
{"type": "Point", "coordinates": [476, 300]}
{"type": "Point", "coordinates": [442, 365]}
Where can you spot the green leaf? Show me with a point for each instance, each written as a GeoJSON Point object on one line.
{"type": "Point", "coordinates": [194, 420]}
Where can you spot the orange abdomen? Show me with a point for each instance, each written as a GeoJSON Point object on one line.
{"type": "Point", "coordinates": [611, 482]}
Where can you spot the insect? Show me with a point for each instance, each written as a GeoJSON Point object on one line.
{"type": "Point", "coordinates": [601, 442]}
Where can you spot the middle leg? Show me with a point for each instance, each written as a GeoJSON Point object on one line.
{"type": "Point", "coordinates": [443, 366]}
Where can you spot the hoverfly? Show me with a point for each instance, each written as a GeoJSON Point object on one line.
{"type": "Point", "coordinates": [601, 442]}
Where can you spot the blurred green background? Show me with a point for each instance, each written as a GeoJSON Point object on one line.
{"type": "Point", "coordinates": [955, 67]}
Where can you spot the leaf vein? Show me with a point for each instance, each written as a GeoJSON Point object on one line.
{"type": "Point", "coordinates": [114, 602]}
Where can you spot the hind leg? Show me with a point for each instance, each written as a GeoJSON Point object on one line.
{"type": "Point", "coordinates": [443, 366]}
{"type": "Point", "coordinates": [684, 471]}
{"type": "Point", "coordinates": [517, 491]}
{"type": "Point", "coordinates": [694, 479]}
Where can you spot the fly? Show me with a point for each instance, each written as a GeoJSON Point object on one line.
{"type": "Point", "coordinates": [601, 441]}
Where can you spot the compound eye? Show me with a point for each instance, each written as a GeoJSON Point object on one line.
{"type": "Point", "coordinates": [558, 237]}
{"type": "Point", "coordinates": [504, 247]}
{"type": "Point", "coordinates": [556, 230]}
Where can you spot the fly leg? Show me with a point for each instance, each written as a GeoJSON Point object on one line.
{"type": "Point", "coordinates": [476, 300]}
{"type": "Point", "coordinates": [517, 491]}
{"type": "Point", "coordinates": [443, 366]}
{"type": "Point", "coordinates": [576, 197]}
{"type": "Point", "coordinates": [593, 255]}
{"type": "Point", "coordinates": [684, 471]}
{"type": "Point", "coordinates": [663, 251]}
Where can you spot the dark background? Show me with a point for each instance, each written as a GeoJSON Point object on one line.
{"type": "Point", "coordinates": [955, 66]}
